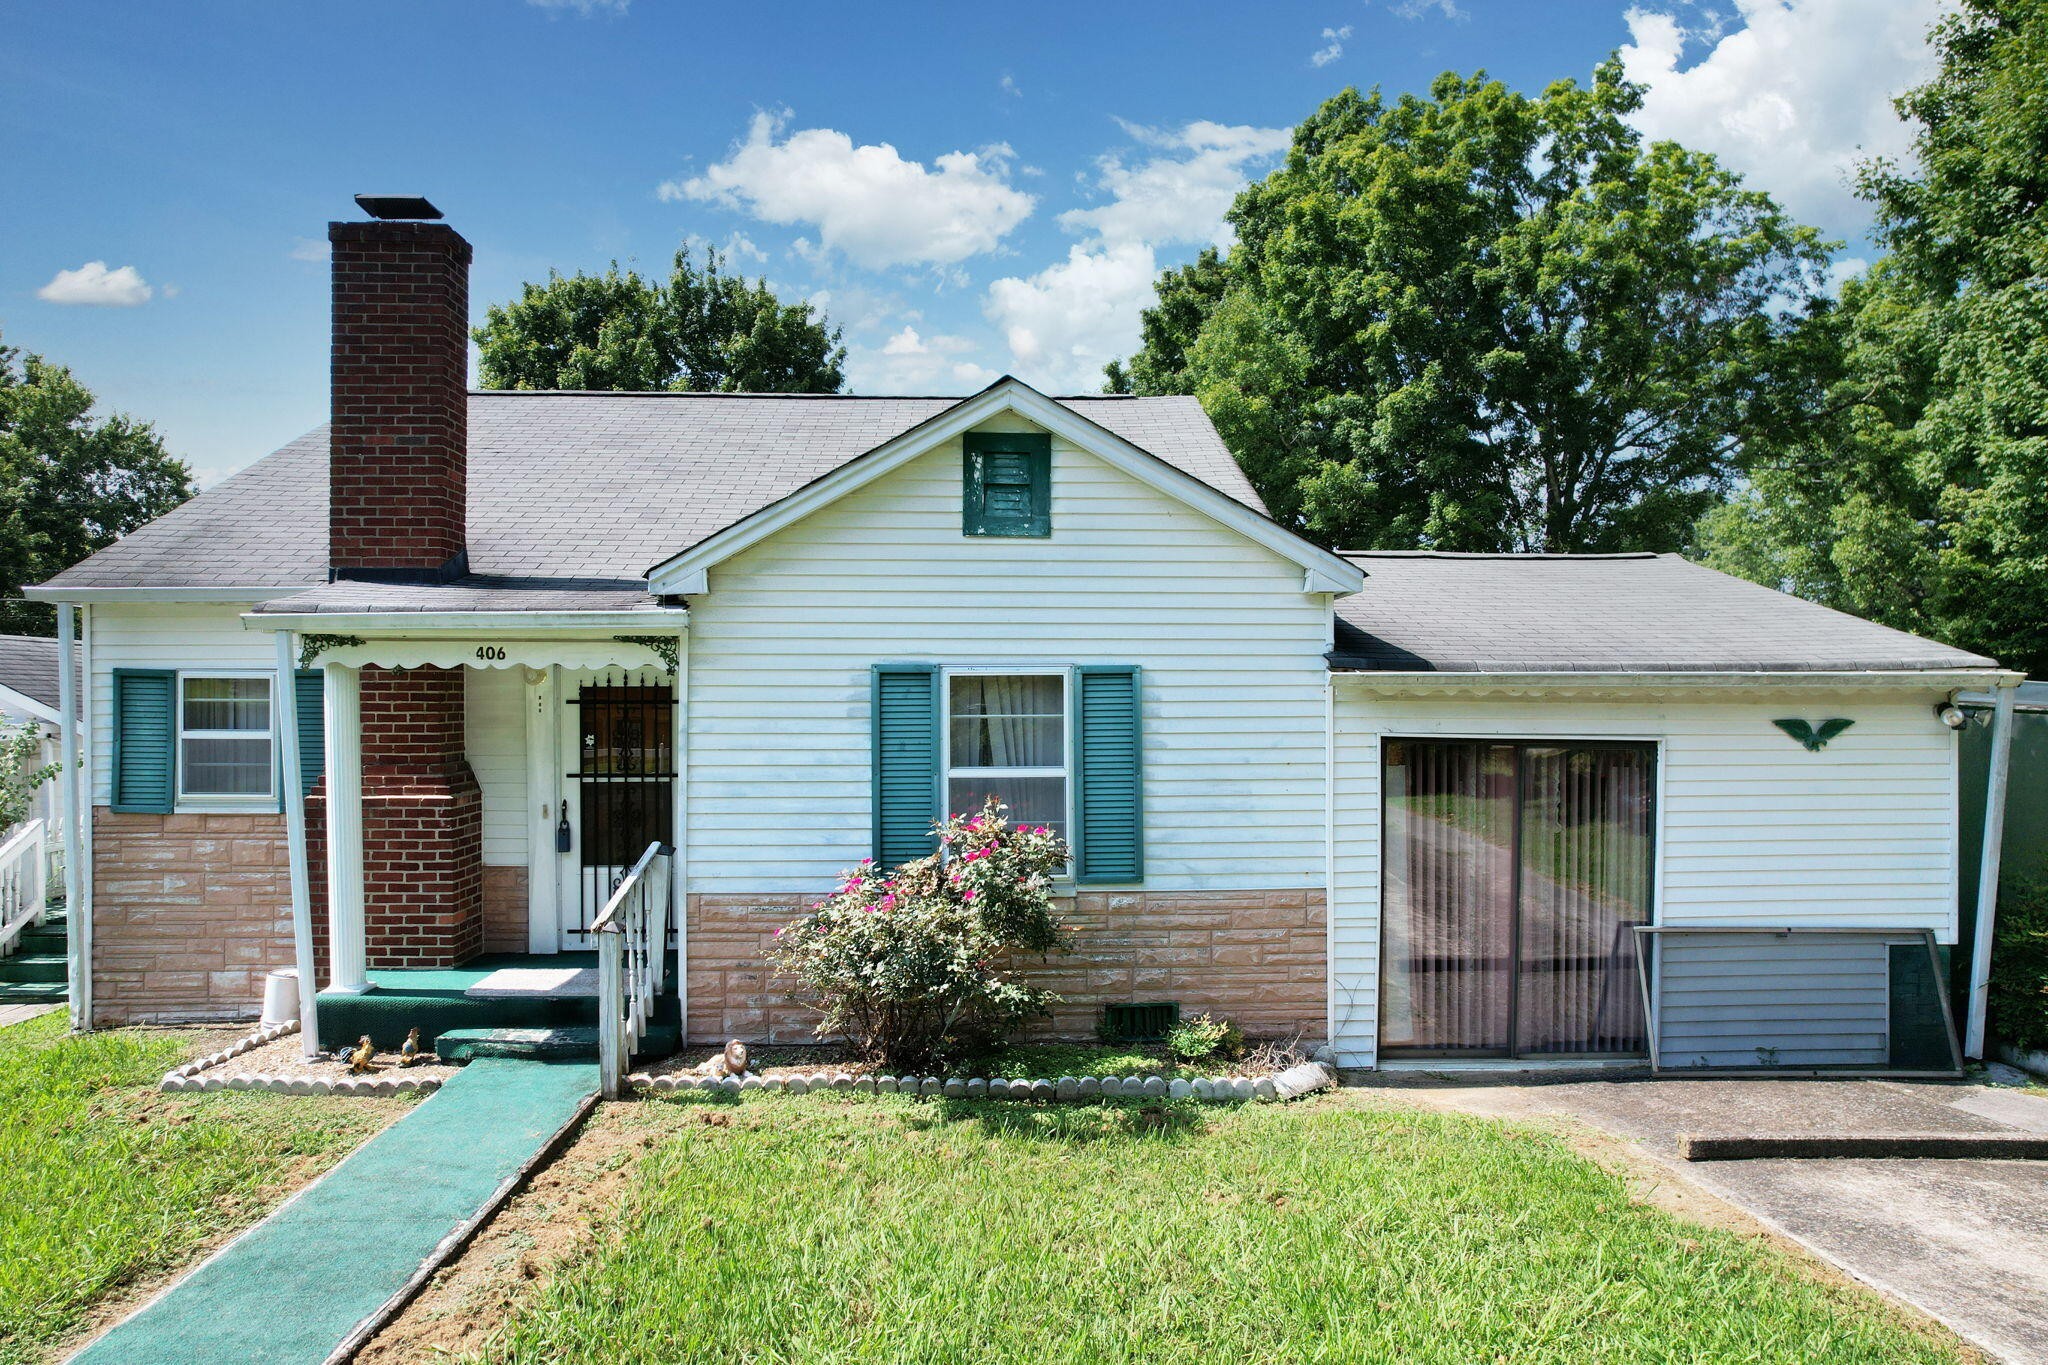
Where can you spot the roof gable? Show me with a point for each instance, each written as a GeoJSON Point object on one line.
{"type": "Point", "coordinates": [687, 572]}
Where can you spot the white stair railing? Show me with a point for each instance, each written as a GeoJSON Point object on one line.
{"type": "Point", "coordinates": [24, 882]}
{"type": "Point", "coordinates": [632, 961]}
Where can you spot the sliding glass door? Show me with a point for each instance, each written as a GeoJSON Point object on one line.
{"type": "Point", "coordinates": [1512, 875]}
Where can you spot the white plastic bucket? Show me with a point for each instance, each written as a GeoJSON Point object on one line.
{"type": "Point", "coordinates": [281, 997]}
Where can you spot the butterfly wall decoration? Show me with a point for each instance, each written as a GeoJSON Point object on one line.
{"type": "Point", "coordinates": [1814, 737]}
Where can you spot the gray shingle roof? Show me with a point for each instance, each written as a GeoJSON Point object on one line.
{"type": "Point", "coordinates": [1432, 612]}
{"type": "Point", "coordinates": [579, 493]}
{"type": "Point", "coordinates": [28, 665]}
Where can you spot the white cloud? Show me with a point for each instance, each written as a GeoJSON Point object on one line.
{"type": "Point", "coordinates": [312, 249]}
{"type": "Point", "coordinates": [1415, 9]}
{"type": "Point", "coordinates": [1840, 272]}
{"type": "Point", "coordinates": [911, 363]}
{"type": "Point", "coordinates": [868, 203]}
{"type": "Point", "coordinates": [1008, 85]}
{"type": "Point", "coordinates": [1332, 48]}
{"type": "Point", "coordinates": [1181, 195]}
{"type": "Point", "coordinates": [1063, 323]}
{"type": "Point", "coordinates": [1793, 98]}
{"type": "Point", "coordinates": [93, 285]}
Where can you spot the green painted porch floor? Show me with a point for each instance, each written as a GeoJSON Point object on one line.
{"type": "Point", "coordinates": [292, 1289]}
{"type": "Point", "coordinates": [433, 1001]}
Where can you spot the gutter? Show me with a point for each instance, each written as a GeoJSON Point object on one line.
{"type": "Point", "coordinates": [463, 622]}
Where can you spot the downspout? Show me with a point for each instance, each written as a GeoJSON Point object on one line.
{"type": "Point", "coordinates": [67, 706]}
{"type": "Point", "coordinates": [679, 837]}
{"type": "Point", "coordinates": [1995, 783]}
{"type": "Point", "coordinates": [285, 706]}
{"type": "Point", "coordinates": [1330, 860]}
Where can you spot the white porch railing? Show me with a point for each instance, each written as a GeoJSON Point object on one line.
{"type": "Point", "coordinates": [24, 881]}
{"type": "Point", "coordinates": [632, 961]}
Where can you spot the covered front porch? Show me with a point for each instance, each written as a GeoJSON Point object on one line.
{"type": "Point", "coordinates": [466, 794]}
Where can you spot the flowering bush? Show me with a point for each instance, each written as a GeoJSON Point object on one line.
{"type": "Point", "coordinates": [909, 966]}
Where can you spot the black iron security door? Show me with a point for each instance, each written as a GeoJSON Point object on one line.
{"type": "Point", "coordinates": [624, 780]}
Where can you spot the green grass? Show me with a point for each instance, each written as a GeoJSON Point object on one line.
{"type": "Point", "coordinates": [838, 1228]}
{"type": "Point", "coordinates": [105, 1182]}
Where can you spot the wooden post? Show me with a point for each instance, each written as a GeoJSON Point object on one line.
{"type": "Point", "coordinates": [610, 1008]}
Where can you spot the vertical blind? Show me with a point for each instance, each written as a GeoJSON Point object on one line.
{"type": "Point", "coordinates": [1513, 875]}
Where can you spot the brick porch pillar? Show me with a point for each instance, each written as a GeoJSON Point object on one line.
{"type": "Point", "coordinates": [422, 822]}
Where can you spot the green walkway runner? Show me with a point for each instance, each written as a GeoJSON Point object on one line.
{"type": "Point", "coordinates": [294, 1287]}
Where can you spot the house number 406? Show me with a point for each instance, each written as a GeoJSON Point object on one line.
{"type": "Point", "coordinates": [488, 652]}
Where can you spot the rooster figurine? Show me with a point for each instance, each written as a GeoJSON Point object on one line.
{"type": "Point", "coordinates": [359, 1060]}
{"type": "Point", "coordinates": [409, 1050]}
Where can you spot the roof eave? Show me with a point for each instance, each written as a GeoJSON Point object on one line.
{"type": "Point", "coordinates": [688, 573]}
{"type": "Point", "coordinates": [1554, 681]}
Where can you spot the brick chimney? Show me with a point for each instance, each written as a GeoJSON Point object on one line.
{"type": "Point", "coordinates": [398, 446]}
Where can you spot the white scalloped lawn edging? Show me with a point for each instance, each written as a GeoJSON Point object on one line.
{"type": "Point", "coordinates": [1285, 1085]}
{"type": "Point", "coordinates": [191, 1077]}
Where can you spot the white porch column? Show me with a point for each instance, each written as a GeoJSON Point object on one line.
{"type": "Point", "coordinates": [70, 779]}
{"type": "Point", "coordinates": [346, 949]}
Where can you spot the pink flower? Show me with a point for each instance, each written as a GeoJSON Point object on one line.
{"type": "Point", "coordinates": [966, 895]}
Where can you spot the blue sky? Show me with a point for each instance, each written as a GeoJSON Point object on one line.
{"type": "Point", "coordinates": [966, 190]}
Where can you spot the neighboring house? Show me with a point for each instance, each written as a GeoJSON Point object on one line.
{"type": "Point", "coordinates": [29, 697]}
{"type": "Point", "coordinates": [1410, 803]}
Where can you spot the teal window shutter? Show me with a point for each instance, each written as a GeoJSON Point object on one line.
{"type": "Point", "coordinates": [310, 696]}
{"type": "Point", "coordinates": [1109, 775]}
{"type": "Point", "coordinates": [906, 761]}
{"type": "Point", "coordinates": [1006, 484]}
{"type": "Point", "coordinates": [145, 768]}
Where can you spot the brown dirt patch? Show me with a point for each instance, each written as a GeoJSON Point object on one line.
{"type": "Point", "coordinates": [553, 1220]}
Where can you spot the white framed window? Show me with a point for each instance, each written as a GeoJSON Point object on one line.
{"type": "Point", "coordinates": [1006, 736]}
{"type": "Point", "coordinates": [224, 739]}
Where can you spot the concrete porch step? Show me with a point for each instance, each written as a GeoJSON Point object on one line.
{"type": "Point", "coordinates": [540, 1044]}
{"type": "Point", "coordinates": [32, 992]}
{"type": "Point", "coordinates": [34, 967]}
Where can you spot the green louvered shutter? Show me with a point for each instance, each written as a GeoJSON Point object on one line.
{"type": "Point", "coordinates": [1109, 790]}
{"type": "Point", "coordinates": [310, 696]}
{"type": "Point", "coordinates": [906, 761]}
{"type": "Point", "coordinates": [145, 767]}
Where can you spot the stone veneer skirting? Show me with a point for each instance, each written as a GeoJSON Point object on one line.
{"type": "Point", "coordinates": [189, 913]}
{"type": "Point", "coordinates": [1256, 956]}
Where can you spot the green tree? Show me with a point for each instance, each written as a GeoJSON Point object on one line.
{"type": "Point", "coordinates": [1485, 321]}
{"type": "Point", "coordinates": [1924, 502]}
{"type": "Point", "coordinates": [70, 483]}
{"type": "Point", "coordinates": [703, 330]}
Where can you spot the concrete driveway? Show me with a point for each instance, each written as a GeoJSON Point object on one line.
{"type": "Point", "coordinates": [1964, 1241]}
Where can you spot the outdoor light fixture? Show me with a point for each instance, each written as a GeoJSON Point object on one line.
{"type": "Point", "coordinates": [1951, 715]}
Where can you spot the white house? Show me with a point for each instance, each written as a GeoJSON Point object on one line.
{"type": "Point", "coordinates": [1416, 804]}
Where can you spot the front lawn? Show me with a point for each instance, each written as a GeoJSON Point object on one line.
{"type": "Point", "coordinates": [105, 1182]}
{"type": "Point", "coordinates": [838, 1228]}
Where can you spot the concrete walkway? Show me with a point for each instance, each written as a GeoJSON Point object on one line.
{"type": "Point", "coordinates": [20, 1014]}
{"type": "Point", "coordinates": [1964, 1241]}
{"type": "Point", "coordinates": [329, 1266]}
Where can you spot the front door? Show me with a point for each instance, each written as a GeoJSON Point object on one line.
{"type": "Point", "coordinates": [618, 743]}
{"type": "Point", "coordinates": [1513, 874]}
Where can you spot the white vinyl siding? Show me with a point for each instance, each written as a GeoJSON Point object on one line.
{"type": "Point", "coordinates": [196, 639]}
{"type": "Point", "coordinates": [1231, 648]}
{"type": "Point", "coordinates": [494, 702]}
{"type": "Point", "coordinates": [1752, 828]}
